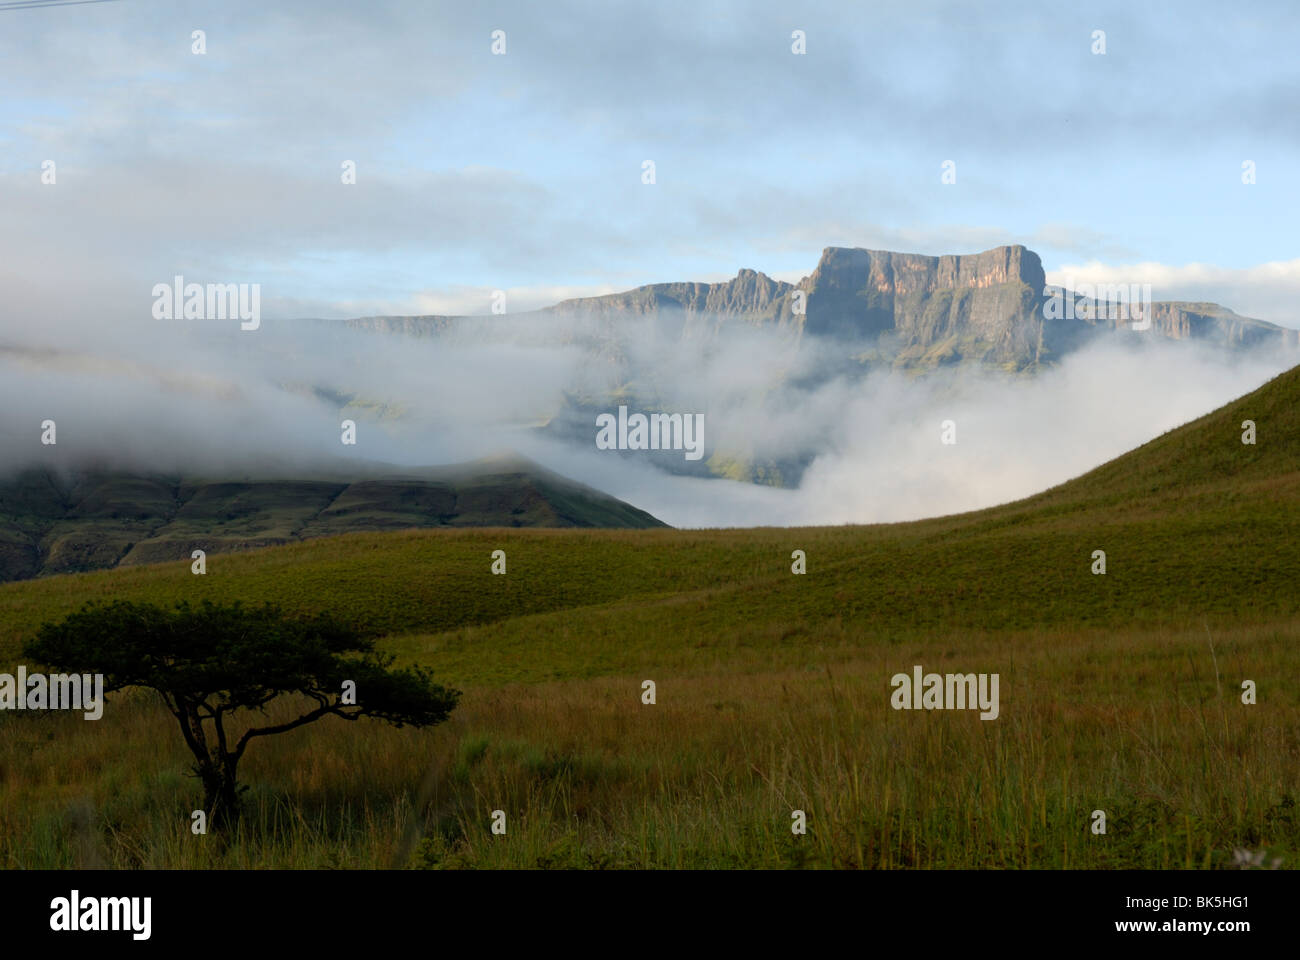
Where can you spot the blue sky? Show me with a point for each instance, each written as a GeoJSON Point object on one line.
{"type": "Point", "coordinates": [522, 172]}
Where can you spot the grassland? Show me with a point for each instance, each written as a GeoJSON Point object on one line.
{"type": "Point", "coordinates": [1119, 692]}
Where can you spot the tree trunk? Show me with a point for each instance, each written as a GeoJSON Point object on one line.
{"type": "Point", "coordinates": [220, 792]}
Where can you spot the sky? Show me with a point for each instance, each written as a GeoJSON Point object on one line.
{"type": "Point", "coordinates": [523, 171]}
{"type": "Point", "coordinates": [142, 140]}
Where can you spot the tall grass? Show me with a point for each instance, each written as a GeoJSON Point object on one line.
{"type": "Point", "coordinates": [1148, 727]}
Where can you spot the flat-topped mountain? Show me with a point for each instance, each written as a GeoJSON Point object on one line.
{"type": "Point", "coordinates": [985, 304]}
{"type": "Point", "coordinates": [841, 283]}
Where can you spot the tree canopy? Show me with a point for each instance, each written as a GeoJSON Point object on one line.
{"type": "Point", "coordinates": [210, 662]}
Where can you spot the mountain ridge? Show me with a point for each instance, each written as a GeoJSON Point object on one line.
{"type": "Point", "coordinates": [991, 306]}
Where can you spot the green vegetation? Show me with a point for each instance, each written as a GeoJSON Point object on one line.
{"type": "Point", "coordinates": [95, 519]}
{"type": "Point", "coordinates": [1119, 692]}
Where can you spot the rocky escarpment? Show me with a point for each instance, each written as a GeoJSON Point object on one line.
{"type": "Point", "coordinates": [1210, 323]}
{"type": "Point", "coordinates": [903, 309]}
{"type": "Point", "coordinates": [984, 305]}
{"type": "Point", "coordinates": [917, 310]}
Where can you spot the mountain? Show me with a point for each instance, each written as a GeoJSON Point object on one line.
{"type": "Point", "coordinates": [989, 299]}
{"type": "Point", "coordinates": [864, 310]}
{"type": "Point", "coordinates": [919, 311]}
{"type": "Point", "coordinates": [90, 519]}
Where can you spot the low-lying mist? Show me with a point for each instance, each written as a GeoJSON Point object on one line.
{"type": "Point", "coordinates": [208, 399]}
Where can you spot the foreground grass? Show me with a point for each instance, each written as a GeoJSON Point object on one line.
{"type": "Point", "coordinates": [1148, 727]}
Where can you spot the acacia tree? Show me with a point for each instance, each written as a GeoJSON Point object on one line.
{"type": "Point", "coordinates": [213, 661]}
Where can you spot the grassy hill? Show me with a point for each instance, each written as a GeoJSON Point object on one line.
{"type": "Point", "coordinates": [1120, 692]}
{"type": "Point", "coordinates": [57, 522]}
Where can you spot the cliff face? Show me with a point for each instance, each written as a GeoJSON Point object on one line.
{"type": "Point", "coordinates": [941, 308]}
{"type": "Point", "coordinates": [905, 274]}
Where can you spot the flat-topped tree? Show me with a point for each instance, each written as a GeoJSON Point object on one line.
{"type": "Point", "coordinates": [213, 661]}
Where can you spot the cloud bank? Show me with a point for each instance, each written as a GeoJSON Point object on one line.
{"type": "Point", "coordinates": [206, 398]}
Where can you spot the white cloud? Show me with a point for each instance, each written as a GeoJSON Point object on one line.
{"type": "Point", "coordinates": [208, 398]}
{"type": "Point", "coordinates": [448, 301]}
{"type": "Point", "coordinates": [1268, 291]}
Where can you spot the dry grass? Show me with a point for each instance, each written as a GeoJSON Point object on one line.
{"type": "Point", "coordinates": [588, 776]}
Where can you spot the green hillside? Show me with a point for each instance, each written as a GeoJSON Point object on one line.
{"type": "Point", "coordinates": [1194, 524]}
{"type": "Point", "coordinates": [1120, 691]}
{"type": "Point", "coordinates": [64, 522]}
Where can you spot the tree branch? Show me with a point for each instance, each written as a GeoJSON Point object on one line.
{"type": "Point", "coordinates": [282, 727]}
